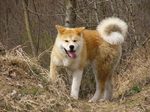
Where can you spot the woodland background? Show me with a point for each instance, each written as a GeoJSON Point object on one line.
{"type": "Point", "coordinates": [27, 33]}
{"type": "Point", "coordinates": [45, 14]}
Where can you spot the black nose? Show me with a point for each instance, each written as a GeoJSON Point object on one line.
{"type": "Point", "coordinates": [71, 47]}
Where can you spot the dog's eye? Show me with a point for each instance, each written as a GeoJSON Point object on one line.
{"type": "Point", "coordinates": [66, 41]}
{"type": "Point", "coordinates": [74, 40]}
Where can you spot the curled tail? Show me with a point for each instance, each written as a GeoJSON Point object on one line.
{"type": "Point", "coordinates": [112, 30]}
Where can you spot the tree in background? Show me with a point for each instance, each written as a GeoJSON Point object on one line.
{"type": "Point", "coordinates": [42, 16]}
{"type": "Point", "coordinates": [70, 13]}
{"type": "Point", "coordinates": [27, 24]}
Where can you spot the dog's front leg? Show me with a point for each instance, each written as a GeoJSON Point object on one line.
{"type": "Point", "coordinates": [53, 73]}
{"type": "Point", "coordinates": [77, 76]}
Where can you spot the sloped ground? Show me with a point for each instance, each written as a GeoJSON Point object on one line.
{"type": "Point", "coordinates": [23, 87]}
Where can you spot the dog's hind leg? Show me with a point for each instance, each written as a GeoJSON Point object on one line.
{"type": "Point", "coordinates": [108, 89]}
{"type": "Point", "coordinates": [103, 82]}
{"type": "Point", "coordinates": [97, 92]}
{"type": "Point", "coordinates": [77, 76]}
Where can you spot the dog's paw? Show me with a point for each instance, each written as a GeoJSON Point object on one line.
{"type": "Point", "coordinates": [74, 97]}
{"type": "Point", "coordinates": [52, 80]}
{"type": "Point", "coordinates": [93, 100]}
{"type": "Point", "coordinates": [90, 101]}
{"type": "Point", "coordinates": [102, 100]}
{"type": "Point", "coordinates": [105, 100]}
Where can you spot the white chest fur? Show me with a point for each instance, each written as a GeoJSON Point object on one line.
{"type": "Point", "coordinates": [72, 63]}
{"type": "Point", "coordinates": [66, 62]}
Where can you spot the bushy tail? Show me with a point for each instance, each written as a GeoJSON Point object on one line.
{"type": "Point", "coordinates": [113, 30]}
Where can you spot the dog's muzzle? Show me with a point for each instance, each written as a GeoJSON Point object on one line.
{"type": "Point", "coordinates": [71, 53]}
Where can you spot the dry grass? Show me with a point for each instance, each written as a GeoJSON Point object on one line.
{"type": "Point", "coordinates": [23, 86]}
{"type": "Point", "coordinates": [135, 72]}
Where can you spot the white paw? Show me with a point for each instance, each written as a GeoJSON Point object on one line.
{"type": "Point", "coordinates": [102, 100]}
{"type": "Point", "coordinates": [74, 97]}
{"type": "Point", "coordinates": [90, 101]}
{"type": "Point", "coordinates": [93, 100]}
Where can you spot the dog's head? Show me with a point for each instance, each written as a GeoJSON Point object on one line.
{"type": "Point", "coordinates": [69, 40]}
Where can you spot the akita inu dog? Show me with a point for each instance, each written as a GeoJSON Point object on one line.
{"type": "Point", "coordinates": [74, 48]}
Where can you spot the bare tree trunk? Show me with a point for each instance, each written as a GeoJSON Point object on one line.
{"type": "Point", "coordinates": [2, 49]}
{"type": "Point", "coordinates": [26, 17]}
{"type": "Point", "coordinates": [70, 13]}
{"type": "Point", "coordinates": [38, 37]}
{"type": "Point", "coordinates": [96, 15]}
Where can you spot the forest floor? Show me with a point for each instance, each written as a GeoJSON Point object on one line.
{"type": "Point", "coordinates": [24, 88]}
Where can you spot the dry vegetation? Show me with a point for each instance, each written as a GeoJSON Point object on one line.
{"type": "Point", "coordinates": [23, 79]}
{"type": "Point", "coordinates": [23, 86]}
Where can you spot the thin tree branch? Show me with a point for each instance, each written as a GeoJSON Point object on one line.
{"type": "Point", "coordinates": [26, 17]}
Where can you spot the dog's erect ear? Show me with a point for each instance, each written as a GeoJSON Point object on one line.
{"type": "Point", "coordinates": [60, 29]}
{"type": "Point", "coordinates": [79, 30]}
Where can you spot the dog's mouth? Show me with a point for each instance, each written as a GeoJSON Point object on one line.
{"type": "Point", "coordinates": [71, 54]}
